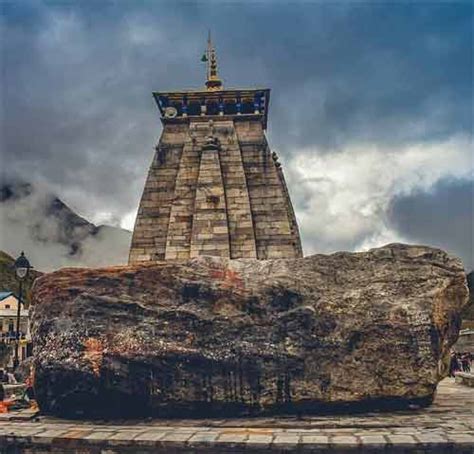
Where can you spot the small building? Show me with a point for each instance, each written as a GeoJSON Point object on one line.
{"type": "Point", "coordinates": [465, 341]}
{"type": "Point", "coordinates": [8, 317]}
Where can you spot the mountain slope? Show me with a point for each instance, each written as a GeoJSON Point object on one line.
{"type": "Point", "coordinates": [52, 235]}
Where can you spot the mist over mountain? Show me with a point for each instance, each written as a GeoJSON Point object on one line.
{"type": "Point", "coordinates": [52, 235]}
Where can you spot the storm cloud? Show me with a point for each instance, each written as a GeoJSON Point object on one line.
{"type": "Point", "coordinates": [427, 216]}
{"type": "Point", "coordinates": [370, 111]}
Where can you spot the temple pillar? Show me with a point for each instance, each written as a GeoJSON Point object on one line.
{"type": "Point", "coordinates": [210, 232]}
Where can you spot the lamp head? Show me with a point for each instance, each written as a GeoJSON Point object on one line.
{"type": "Point", "coordinates": [22, 266]}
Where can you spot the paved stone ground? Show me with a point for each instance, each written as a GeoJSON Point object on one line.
{"type": "Point", "coordinates": [445, 427]}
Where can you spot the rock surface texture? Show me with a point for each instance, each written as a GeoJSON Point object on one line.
{"type": "Point", "coordinates": [217, 336]}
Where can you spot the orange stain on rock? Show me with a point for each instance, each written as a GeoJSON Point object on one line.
{"type": "Point", "coordinates": [229, 277]}
{"type": "Point", "coordinates": [94, 352]}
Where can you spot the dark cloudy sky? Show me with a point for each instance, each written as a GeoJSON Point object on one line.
{"type": "Point", "coordinates": [371, 106]}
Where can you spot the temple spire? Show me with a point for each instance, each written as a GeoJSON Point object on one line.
{"type": "Point", "coordinates": [213, 83]}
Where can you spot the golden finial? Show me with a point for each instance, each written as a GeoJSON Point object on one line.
{"type": "Point", "coordinates": [213, 83]}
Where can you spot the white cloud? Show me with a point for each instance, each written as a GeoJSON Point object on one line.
{"type": "Point", "coordinates": [128, 221]}
{"type": "Point", "coordinates": [54, 237]}
{"type": "Point", "coordinates": [341, 198]}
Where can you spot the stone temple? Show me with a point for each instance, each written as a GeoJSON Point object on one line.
{"type": "Point", "coordinates": [214, 187]}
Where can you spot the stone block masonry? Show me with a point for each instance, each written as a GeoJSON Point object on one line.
{"type": "Point", "coordinates": [210, 234]}
{"type": "Point", "coordinates": [214, 188]}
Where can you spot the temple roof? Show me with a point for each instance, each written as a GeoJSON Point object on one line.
{"type": "Point", "coordinates": [213, 99]}
{"type": "Point", "coordinates": [205, 103]}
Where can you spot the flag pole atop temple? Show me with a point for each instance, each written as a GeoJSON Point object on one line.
{"type": "Point", "coordinates": [213, 83]}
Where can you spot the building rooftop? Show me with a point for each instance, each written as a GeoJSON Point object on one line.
{"type": "Point", "coordinates": [4, 295]}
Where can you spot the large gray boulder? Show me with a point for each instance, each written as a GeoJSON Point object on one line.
{"type": "Point", "coordinates": [223, 336]}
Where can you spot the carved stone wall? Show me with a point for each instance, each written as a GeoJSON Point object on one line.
{"type": "Point", "coordinates": [214, 188]}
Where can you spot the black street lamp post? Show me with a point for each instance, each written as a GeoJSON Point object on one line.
{"type": "Point", "coordinates": [22, 269]}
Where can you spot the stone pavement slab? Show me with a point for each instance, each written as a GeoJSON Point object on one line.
{"type": "Point", "coordinates": [446, 427]}
{"type": "Point", "coordinates": [20, 415]}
